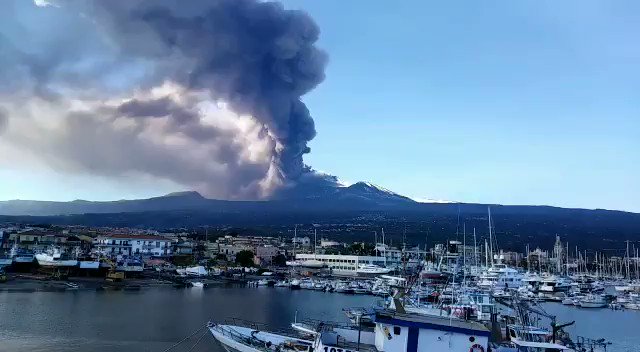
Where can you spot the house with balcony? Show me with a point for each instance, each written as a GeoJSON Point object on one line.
{"type": "Point", "coordinates": [131, 244]}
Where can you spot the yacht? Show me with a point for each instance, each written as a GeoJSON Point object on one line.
{"type": "Point", "coordinates": [371, 270]}
{"type": "Point", "coordinates": [593, 301]}
{"type": "Point", "coordinates": [500, 276]}
{"type": "Point", "coordinates": [53, 257]}
{"type": "Point", "coordinates": [554, 283]}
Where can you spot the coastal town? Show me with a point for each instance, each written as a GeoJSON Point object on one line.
{"type": "Point", "coordinates": [460, 279]}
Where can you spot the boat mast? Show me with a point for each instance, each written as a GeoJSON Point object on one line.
{"type": "Point", "coordinates": [475, 249]}
{"type": "Point", "coordinates": [490, 238]}
{"type": "Point", "coordinates": [295, 233]}
{"type": "Point", "coordinates": [384, 249]}
{"type": "Point", "coordinates": [315, 242]}
{"type": "Point", "coordinates": [464, 254]}
{"type": "Point", "coordinates": [627, 259]}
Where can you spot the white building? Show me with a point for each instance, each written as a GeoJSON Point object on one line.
{"type": "Point", "coordinates": [133, 245]}
{"type": "Point", "coordinates": [342, 264]}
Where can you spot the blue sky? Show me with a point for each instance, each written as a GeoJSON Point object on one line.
{"type": "Point", "coordinates": [528, 102]}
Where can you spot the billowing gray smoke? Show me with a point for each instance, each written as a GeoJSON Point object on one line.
{"type": "Point", "coordinates": [254, 55]}
{"type": "Point", "coordinates": [157, 75]}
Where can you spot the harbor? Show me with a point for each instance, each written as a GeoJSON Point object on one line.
{"type": "Point", "coordinates": [481, 296]}
{"type": "Point", "coordinates": [155, 319]}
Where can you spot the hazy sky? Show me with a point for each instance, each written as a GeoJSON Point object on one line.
{"type": "Point", "coordinates": [527, 102]}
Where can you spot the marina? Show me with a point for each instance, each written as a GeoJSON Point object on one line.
{"type": "Point", "coordinates": [104, 321]}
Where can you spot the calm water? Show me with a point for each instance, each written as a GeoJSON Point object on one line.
{"type": "Point", "coordinates": [154, 319]}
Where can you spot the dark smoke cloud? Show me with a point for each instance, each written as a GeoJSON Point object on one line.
{"type": "Point", "coordinates": [256, 57]}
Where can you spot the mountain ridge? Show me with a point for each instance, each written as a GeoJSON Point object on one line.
{"type": "Point", "coordinates": [359, 196]}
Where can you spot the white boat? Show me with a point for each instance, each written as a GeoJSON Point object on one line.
{"type": "Point", "coordinates": [197, 284]}
{"type": "Point", "coordinates": [554, 283]}
{"type": "Point", "coordinates": [19, 255]}
{"type": "Point", "coordinates": [196, 271]}
{"type": "Point", "coordinates": [71, 286]}
{"type": "Point", "coordinates": [282, 283]}
{"type": "Point", "coordinates": [371, 270]}
{"type": "Point", "coordinates": [393, 332]}
{"type": "Point", "coordinates": [500, 276]}
{"type": "Point", "coordinates": [304, 329]}
{"type": "Point", "coordinates": [53, 258]}
{"type": "Point", "coordinates": [567, 301]}
{"type": "Point", "coordinates": [295, 284]}
{"type": "Point", "coordinates": [236, 338]}
{"type": "Point", "coordinates": [593, 301]}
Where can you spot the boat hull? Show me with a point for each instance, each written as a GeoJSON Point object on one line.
{"type": "Point", "coordinates": [225, 335]}
{"type": "Point", "coordinates": [48, 262]}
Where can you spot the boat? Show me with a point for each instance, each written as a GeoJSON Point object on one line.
{"type": "Point", "coordinates": [236, 338]}
{"type": "Point", "coordinates": [551, 284]}
{"type": "Point", "coordinates": [393, 331]}
{"type": "Point", "coordinates": [500, 276]}
{"type": "Point", "coordinates": [71, 286]}
{"type": "Point", "coordinates": [5, 260]}
{"type": "Point", "coordinates": [295, 284]}
{"type": "Point", "coordinates": [304, 328]}
{"type": "Point", "coordinates": [567, 301]}
{"type": "Point", "coordinates": [53, 257]}
{"type": "Point", "coordinates": [193, 271]}
{"type": "Point", "coordinates": [197, 284]}
{"type": "Point", "coordinates": [371, 270]}
{"type": "Point", "coordinates": [529, 339]}
{"type": "Point", "coordinates": [593, 301]}
{"type": "Point", "coordinates": [129, 264]}
{"type": "Point", "coordinates": [20, 255]}
{"type": "Point", "coordinates": [282, 283]}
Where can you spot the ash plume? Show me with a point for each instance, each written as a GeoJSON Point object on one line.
{"type": "Point", "coordinates": [206, 94]}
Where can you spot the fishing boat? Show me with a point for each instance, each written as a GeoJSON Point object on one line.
{"type": "Point", "coordinates": [394, 331]}
{"type": "Point", "coordinates": [236, 338]}
{"type": "Point", "coordinates": [53, 257]}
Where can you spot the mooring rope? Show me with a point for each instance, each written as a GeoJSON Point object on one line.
{"type": "Point", "coordinates": [186, 338]}
{"type": "Point", "coordinates": [197, 342]}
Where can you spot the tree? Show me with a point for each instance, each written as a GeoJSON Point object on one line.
{"type": "Point", "coordinates": [280, 260]}
{"type": "Point", "coordinates": [244, 258]}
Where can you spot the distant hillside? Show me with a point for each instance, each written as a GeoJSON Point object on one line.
{"type": "Point", "coordinates": [351, 213]}
{"type": "Point", "coordinates": [359, 196]}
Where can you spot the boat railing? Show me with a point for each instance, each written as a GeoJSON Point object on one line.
{"type": "Point", "coordinates": [260, 326]}
{"type": "Point", "coordinates": [251, 341]}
